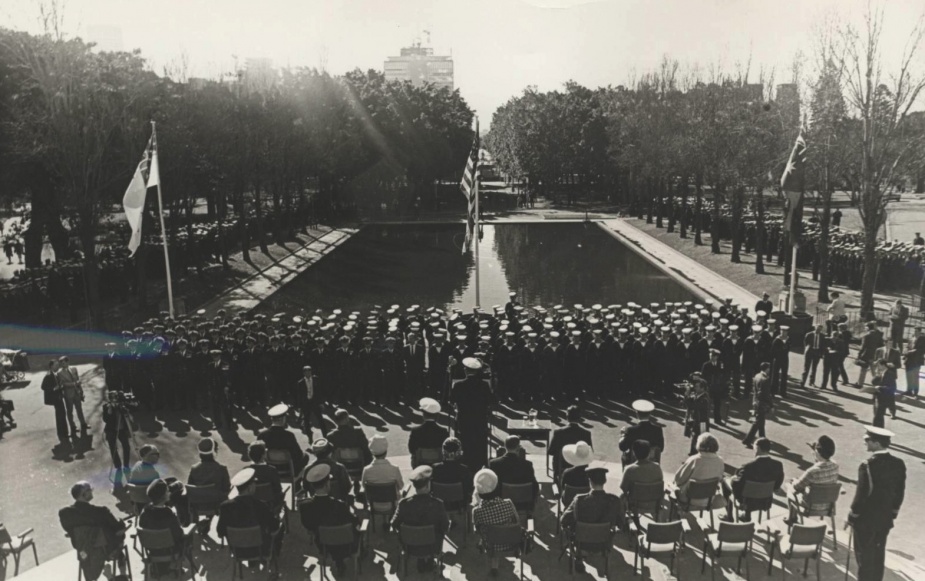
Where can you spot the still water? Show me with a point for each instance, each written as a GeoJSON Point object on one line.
{"type": "Point", "coordinates": [545, 263]}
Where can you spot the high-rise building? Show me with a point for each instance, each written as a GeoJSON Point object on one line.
{"type": "Point", "coordinates": [419, 65]}
{"type": "Point", "coordinates": [258, 74]}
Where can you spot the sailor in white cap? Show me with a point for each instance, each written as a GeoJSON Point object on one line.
{"type": "Point", "coordinates": [246, 511]}
{"type": "Point", "coordinates": [646, 428]}
{"type": "Point", "coordinates": [423, 509]}
{"type": "Point", "coordinates": [877, 500]}
{"type": "Point", "coordinates": [472, 398]}
{"type": "Point", "coordinates": [426, 440]}
{"type": "Point", "coordinates": [278, 436]}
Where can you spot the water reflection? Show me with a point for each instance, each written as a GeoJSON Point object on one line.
{"type": "Point", "coordinates": [422, 264]}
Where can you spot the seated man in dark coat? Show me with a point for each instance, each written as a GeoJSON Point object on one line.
{"type": "Point", "coordinates": [348, 435]}
{"type": "Point", "coordinates": [263, 472]}
{"type": "Point", "coordinates": [514, 468]}
{"type": "Point", "coordinates": [429, 435]}
{"type": "Point", "coordinates": [209, 472]}
{"type": "Point", "coordinates": [570, 434]}
{"type": "Point", "coordinates": [103, 536]}
{"type": "Point", "coordinates": [762, 469]}
{"type": "Point", "coordinates": [324, 510]}
{"type": "Point", "coordinates": [278, 437]}
{"type": "Point", "coordinates": [158, 516]}
{"type": "Point", "coordinates": [452, 471]}
{"type": "Point", "coordinates": [422, 509]}
{"type": "Point", "coordinates": [594, 507]}
{"type": "Point", "coordinates": [245, 511]}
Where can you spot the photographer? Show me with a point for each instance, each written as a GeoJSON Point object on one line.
{"type": "Point", "coordinates": [118, 425]}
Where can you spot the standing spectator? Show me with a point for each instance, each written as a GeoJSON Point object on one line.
{"type": "Point", "coordinates": [8, 250]}
{"type": "Point", "coordinates": [312, 404]}
{"type": "Point", "coordinates": [876, 506]}
{"type": "Point", "coordinates": [836, 218]}
{"type": "Point", "coordinates": [54, 397]}
{"type": "Point", "coordinates": [762, 403]}
{"type": "Point", "coordinates": [69, 380]}
{"type": "Point", "coordinates": [917, 241]}
{"type": "Point", "coordinates": [871, 341]}
{"type": "Point", "coordinates": [117, 428]}
{"type": "Point", "coordinates": [835, 311]}
{"type": "Point", "coordinates": [915, 358]}
{"type": "Point", "coordinates": [885, 394]}
{"type": "Point", "coordinates": [814, 348]}
{"type": "Point", "coordinates": [764, 304]}
{"type": "Point", "coordinates": [18, 249]}
{"type": "Point", "coordinates": [898, 315]}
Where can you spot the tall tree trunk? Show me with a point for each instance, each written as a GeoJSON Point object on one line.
{"type": "Point", "coordinates": [698, 208]}
{"type": "Point", "coordinates": [759, 232]}
{"type": "Point", "coordinates": [822, 247]}
{"type": "Point", "coordinates": [650, 199]}
{"type": "Point", "coordinates": [682, 206]}
{"type": "Point", "coordinates": [737, 201]}
{"type": "Point", "coordinates": [258, 215]}
{"type": "Point", "coordinates": [718, 190]}
{"type": "Point", "coordinates": [869, 281]}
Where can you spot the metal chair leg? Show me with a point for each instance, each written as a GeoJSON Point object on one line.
{"type": "Point", "coordinates": [703, 560]}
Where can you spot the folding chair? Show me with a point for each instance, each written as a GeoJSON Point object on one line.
{"type": "Point", "coordinates": [352, 459]}
{"type": "Point", "coordinates": [513, 536]}
{"type": "Point", "coordinates": [381, 500]}
{"type": "Point", "coordinates": [731, 539]}
{"type": "Point", "coordinates": [138, 497]}
{"type": "Point", "coordinates": [803, 542]}
{"type": "Point", "coordinates": [819, 501]}
{"type": "Point", "coordinates": [644, 497]}
{"type": "Point", "coordinates": [700, 495]}
{"type": "Point", "coordinates": [203, 502]}
{"type": "Point", "coordinates": [345, 535]}
{"type": "Point", "coordinates": [15, 546]}
{"type": "Point", "coordinates": [282, 461]}
{"type": "Point", "coordinates": [564, 499]}
{"type": "Point", "coordinates": [591, 538]}
{"type": "Point", "coordinates": [420, 542]}
{"type": "Point", "coordinates": [427, 456]}
{"type": "Point", "coordinates": [521, 495]}
{"type": "Point", "coordinates": [263, 491]}
{"type": "Point", "coordinates": [660, 539]}
{"type": "Point", "coordinates": [155, 544]}
{"type": "Point", "coordinates": [757, 496]}
{"type": "Point", "coordinates": [91, 539]}
{"type": "Point", "coordinates": [246, 544]}
{"type": "Point", "coordinates": [454, 496]}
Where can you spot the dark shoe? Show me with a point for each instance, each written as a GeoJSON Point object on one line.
{"type": "Point", "coordinates": [748, 444]}
{"type": "Point", "coordinates": [579, 566]}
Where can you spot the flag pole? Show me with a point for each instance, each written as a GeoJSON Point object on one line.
{"type": "Point", "coordinates": [477, 225]}
{"type": "Point", "coordinates": [793, 278]}
{"type": "Point", "coordinates": [160, 213]}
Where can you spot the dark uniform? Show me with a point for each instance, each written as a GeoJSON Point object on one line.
{"type": "Point", "coordinates": [562, 437]}
{"type": "Point", "coordinates": [877, 500]}
{"type": "Point", "coordinates": [780, 365]}
{"type": "Point", "coordinates": [644, 430]}
{"type": "Point", "coordinates": [473, 399]}
{"type": "Point", "coordinates": [280, 438]}
{"type": "Point", "coordinates": [429, 434]}
{"type": "Point", "coordinates": [422, 510]}
{"type": "Point", "coordinates": [245, 511]}
{"type": "Point", "coordinates": [322, 510]}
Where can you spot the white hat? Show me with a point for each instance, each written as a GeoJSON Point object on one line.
{"type": "Point", "coordinates": [429, 405]}
{"type": "Point", "coordinates": [643, 406]}
{"type": "Point", "coordinates": [485, 481]}
{"type": "Point", "coordinates": [378, 445]}
{"type": "Point", "coordinates": [318, 473]}
{"type": "Point", "coordinates": [879, 432]}
{"type": "Point", "coordinates": [242, 478]}
{"type": "Point", "coordinates": [579, 454]}
{"type": "Point", "coordinates": [278, 410]}
{"type": "Point", "coordinates": [757, 328]}
{"type": "Point", "coordinates": [472, 363]}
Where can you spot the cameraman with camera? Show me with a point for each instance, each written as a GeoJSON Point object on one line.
{"type": "Point", "coordinates": [118, 426]}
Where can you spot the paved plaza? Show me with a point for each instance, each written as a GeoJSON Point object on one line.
{"type": "Point", "coordinates": [35, 477]}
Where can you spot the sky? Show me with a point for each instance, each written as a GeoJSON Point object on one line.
{"type": "Point", "coordinates": [499, 47]}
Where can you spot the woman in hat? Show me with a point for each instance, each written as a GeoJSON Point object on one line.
{"type": "Point", "coordinates": [491, 509]}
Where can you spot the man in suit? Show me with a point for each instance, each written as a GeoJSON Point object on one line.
{"type": "Point", "coordinates": [311, 401]}
{"type": "Point", "coordinates": [871, 341]}
{"type": "Point", "coordinates": [323, 510]}
{"type": "Point", "coordinates": [513, 467]}
{"type": "Point", "coordinates": [413, 355]}
{"type": "Point", "coordinates": [54, 397]}
{"type": "Point", "coordinates": [877, 500]}
{"type": "Point", "coordinates": [422, 509]}
{"type": "Point", "coordinates": [246, 511]}
{"type": "Point", "coordinates": [430, 434]}
{"type": "Point", "coordinates": [914, 359]}
{"type": "Point", "coordinates": [645, 429]}
{"type": "Point", "coordinates": [762, 469]}
{"type": "Point", "coordinates": [732, 359]}
{"type": "Point", "coordinates": [780, 361]}
{"type": "Point", "coordinates": [814, 348]}
{"type": "Point", "coordinates": [762, 402]}
{"type": "Point", "coordinates": [278, 436]}
{"type": "Point", "coordinates": [570, 434]}
{"type": "Point", "coordinates": [99, 518]}
{"type": "Point", "coordinates": [209, 472]}
{"type": "Point", "coordinates": [594, 507]}
{"type": "Point", "coordinates": [348, 435]}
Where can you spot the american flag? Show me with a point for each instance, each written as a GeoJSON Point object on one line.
{"type": "Point", "coordinates": [470, 186]}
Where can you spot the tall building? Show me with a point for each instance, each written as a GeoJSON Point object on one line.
{"type": "Point", "coordinates": [107, 38]}
{"type": "Point", "coordinates": [258, 74]}
{"type": "Point", "coordinates": [419, 65]}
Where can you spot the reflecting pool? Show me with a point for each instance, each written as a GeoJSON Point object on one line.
{"type": "Point", "coordinates": [545, 263]}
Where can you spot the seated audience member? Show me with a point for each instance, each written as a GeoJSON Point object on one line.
{"type": "Point", "coordinates": [157, 516]}
{"type": "Point", "coordinates": [491, 510]}
{"type": "Point", "coordinates": [348, 435]}
{"type": "Point", "coordinates": [823, 471]}
{"type": "Point", "coordinates": [762, 469]}
{"type": "Point", "coordinates": [642, 470]}
{"type": "Point", "coordinates": [83, 521]}
{"type": "Point", "coordinates": [593, 507]}
{"type": "Point", "coordinates": [577, 456]}
{"type": "Point", "coordinates": [144, 472]}
{"type": "Point", "coordinates": [263, 472]}
{"type": "Point", "coordinates": [513, 467]}
{"type": "Point", "coordinates": [323, 510]}
{"type": "Point", "coordinates": [451, 470]}
{"type": "Point", "coordinates": [570, 434]}
{"type": "Point", "coordinates": [340, 480]}
{"type": "Point", "coordinates": [422, 509]}
{"type": "Point", "coordinates": [706, 464]}
{"type": "Point", "coordinates": [428, 435]}
{"type": "Point", "coordinates": [245, 511]}
{"type": "Point", "coordinates": [279, 437]}
{"type": "Point", "coordinates": [209, 472]}
{"type": "Point", "coordinates": [381, 471]}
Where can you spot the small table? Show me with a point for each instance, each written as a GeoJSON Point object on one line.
{"type": "Point", "coordinates": [539, 430]}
